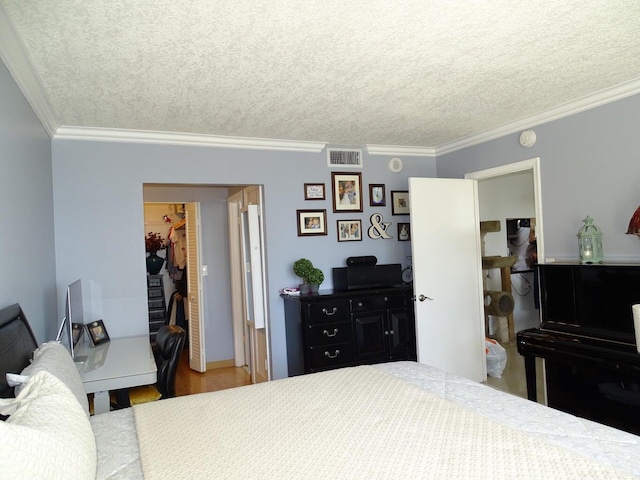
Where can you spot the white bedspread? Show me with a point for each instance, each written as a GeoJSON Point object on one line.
{"type": "Point", "coordinates": [351, 423]}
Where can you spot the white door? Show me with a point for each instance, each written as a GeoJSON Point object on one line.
{"type": "Point", "coordinates": [254, 292]}
{"type": "Point", "coordinates": [197, 357]}
{"type": "Point", "coordinates": [241, 344]}
{"type": "Point", "coordinates": [447, 275]}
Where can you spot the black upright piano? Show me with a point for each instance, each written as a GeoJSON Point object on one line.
{"type": "Point", "coordinates": [587, 339]}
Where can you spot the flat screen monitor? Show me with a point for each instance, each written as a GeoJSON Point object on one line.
{"type": "Point", "coordinates": [71, 330]}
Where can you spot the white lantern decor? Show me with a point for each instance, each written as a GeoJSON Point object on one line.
{"type": "Point", "coordinates": [590, 242]}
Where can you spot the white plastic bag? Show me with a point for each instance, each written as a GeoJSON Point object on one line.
{"type": "Point", "coordinates": [496, 358]}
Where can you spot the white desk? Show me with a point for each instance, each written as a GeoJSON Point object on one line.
{"type": "Point", "coordinates": [121, 363]}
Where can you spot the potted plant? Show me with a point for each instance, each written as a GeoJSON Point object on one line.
{"type": "Point", "coordinates": [314, 278]}
{"type": "Point", "coordinates": [303, 268]}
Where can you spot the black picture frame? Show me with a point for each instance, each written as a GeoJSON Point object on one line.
{"type": "Point", "coordinates": [377, 196]}
{"type": "Point", "coordinates": [346, 191]}
{"type": "Point", "coordinates": [77, 329]}
{"type": "Point", "coordinates": [400, 202]}
{"type": "Point", "coordinates": [314, 191]}
{"type": "Point", "coordinates": [349, 230]}
{"type": "Point", "coordinates": [311, 222]}
{"type": "Point", "coordinates": [404, 232]}
{"type": "Point", "coordinates": [97, 333]}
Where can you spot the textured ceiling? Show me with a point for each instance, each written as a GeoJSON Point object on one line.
{"type": "Point", "coordinates": [408, 73]}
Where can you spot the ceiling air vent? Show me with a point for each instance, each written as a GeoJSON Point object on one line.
{"type": "Point", "coordinates": [344, 158]}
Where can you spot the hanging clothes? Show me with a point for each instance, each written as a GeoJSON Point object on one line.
{"type": "Point", "coordinates": [176, 253]}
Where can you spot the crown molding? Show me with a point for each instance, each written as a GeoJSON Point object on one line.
{"type": "Point", "coordinates": [14, 56]}
{"type": "Point", "coordinates": [193, 139]}
{"type": "Point", "coordinates": [399, 150]}
{"type": "Point", "coordinates": [588, 102]}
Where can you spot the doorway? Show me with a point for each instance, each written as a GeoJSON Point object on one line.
{"type": "Point", "coordinates": [511, 194]}
{"type": "Point", "coordinates": [217, 290]}
{"type": "Point", "coordinates": [175, 286]}
{"type": "Point", "coordinates": [248, 279]}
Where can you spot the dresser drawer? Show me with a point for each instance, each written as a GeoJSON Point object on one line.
{"type": "Point", "coordinates": [155, 292]}
{"type": "Point", "coordinates": [157, 314]}
{"type": "Point", "coordinates": [331, 311]}
{"type": "Point", "coordinates": [156, 304]}
{"type": "Point", "coordinates": [333, 355]}
{"type": "Point", "coordinates": [155, 326]}
{"type": "Point", "coordinates": [154, 280]}
{"type": "Point", "coordinates": [329, 333]}
{"type": "Point", "coordinates": [378, 302]}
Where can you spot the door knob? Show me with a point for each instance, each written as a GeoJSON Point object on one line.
{"type": "Point", "coordinates": [422, 298]}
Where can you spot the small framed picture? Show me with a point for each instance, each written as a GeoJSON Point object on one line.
{"type": "Point", "coordinates": [314, 191]}
{"type": "Point", "coordinates": [400, 203]}
{"type": "Point", "coordinates": [77, 329]}
{"type": "Point", "coordinates": [376, 195]}
{"type": "Point", "coordinates": [97, 332]}
{"type": "Point", "coordinates": [404, 232]}
{"type": "Point", "coordinates": [347, 192]}
{"type": "Point", "coordinates": [311, 222]}
{"type": "Point", "coordinates": [349, 230]}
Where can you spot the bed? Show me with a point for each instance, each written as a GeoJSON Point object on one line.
{"type": "Point", "coordinates": [393, 420]}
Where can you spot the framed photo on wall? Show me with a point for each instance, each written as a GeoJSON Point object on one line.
{"type": "Point", "coordinates": [400, 203]}
{"type": "Point", "coordinates": [377, 197]}
{"type": "Point", "coordinates": [349, 230]}
{"type": "Point", "coordinates": [404, 232]}
{"type": "Point", "coordinates": [346, 191]}
{"type": "Point", "coordinates": [314, 191]}
{"type": "Point", "coordinates": [311, 222]}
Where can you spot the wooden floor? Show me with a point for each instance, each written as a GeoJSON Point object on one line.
{"type": "Point", "coordinates": [189, 381]}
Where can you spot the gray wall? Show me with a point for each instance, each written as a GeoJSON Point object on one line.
{"type": "Point", "coordinates": [26, 228]}
{"type": "Point", "coordinates": [589, 163]}
{"type": "Point", "coordinates": [98, 198]}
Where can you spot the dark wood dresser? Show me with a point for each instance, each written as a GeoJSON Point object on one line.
{"type": "Point", "coordinates": [334, 329]}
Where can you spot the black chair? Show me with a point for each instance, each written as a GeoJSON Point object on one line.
{"type": "Point", "coordinates": [167, 351]}
{"type": "Point", "coordinates": [170, 341]}
{"type": "Point", "coordinates": [17, 344]}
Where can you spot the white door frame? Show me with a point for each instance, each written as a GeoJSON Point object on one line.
{"type": "Point", "coordinates": [532, 165]}
{"type": "Point", "coordinates": [251, 340]}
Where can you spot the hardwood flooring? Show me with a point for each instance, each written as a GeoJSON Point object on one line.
{"type": "Point", "coordinates": [189, 381]}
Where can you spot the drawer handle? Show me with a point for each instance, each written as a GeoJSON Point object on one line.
{"type": "Point", "coordinates": [333, 311]}
{"type": "Point", "coordinates": [335, 332]}
{"type": "Point", "coordinates": [327, 354]}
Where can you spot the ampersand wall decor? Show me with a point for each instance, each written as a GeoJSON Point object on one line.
{"type": "Point", "coordinates": [378, 228]}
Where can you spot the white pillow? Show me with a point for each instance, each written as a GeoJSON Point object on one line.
{"type": "Point", "coordinates": [54, 358]}
{"type": "Point", "coordinates": [47, 435]}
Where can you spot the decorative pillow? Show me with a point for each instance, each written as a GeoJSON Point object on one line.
{"type": "Point", "coordinates": [54, 358]}
{"type": "Point", "coordinates": [47, 435]}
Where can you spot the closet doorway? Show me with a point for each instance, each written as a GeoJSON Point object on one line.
{"type": "Point", "coordinates": [218, 290]}
{"type": "Point", "coordinates": [175, 291]}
